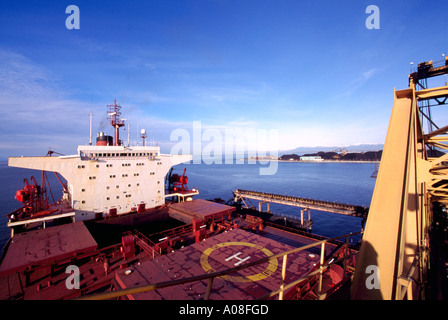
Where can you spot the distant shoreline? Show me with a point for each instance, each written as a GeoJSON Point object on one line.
{"type": "Point", "coordinates": [332, 161]}
{"type": "Point", "coordinates": [322, 161]}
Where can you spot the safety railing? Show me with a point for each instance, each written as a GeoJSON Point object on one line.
{"type": "Point", "coordinates": [144, 243]}
{"type": "Point", "coordinates": [323, 265]}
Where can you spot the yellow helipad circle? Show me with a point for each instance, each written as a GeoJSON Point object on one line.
{"type": "Point", "coordinates": [271, 268]}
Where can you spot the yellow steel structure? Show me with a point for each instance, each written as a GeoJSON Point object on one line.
{"type": "Point", "coordinates": [395, 251]}
{"type": "Point", "coordinates": [396, 248]}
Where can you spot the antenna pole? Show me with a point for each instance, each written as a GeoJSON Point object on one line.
{"type": "Point", "coordinates": [90, 141]}
{"type": "Point", "coordinates": [143, 135]}
{"type": "Point", "coordinates": [115, 120]}
{"type": "Point", "coordinates": [129, 130]}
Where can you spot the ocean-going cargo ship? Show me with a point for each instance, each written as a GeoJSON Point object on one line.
{"type": "Point", "coordinates": [118, 226]}
{"type": "Point", "coordinates": [103, 180]}
{"type": "Point", "coordinates": [140, 247]}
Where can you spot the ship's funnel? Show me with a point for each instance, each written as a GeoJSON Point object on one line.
{"type": "Point", "coordinates": [104, 140]}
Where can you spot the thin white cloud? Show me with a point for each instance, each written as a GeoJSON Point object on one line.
{"type": "Point", "coordinates": [38, 114]}
{"type": "Point", "coordinates": [34, 111]}
{"type": "Point", "coordinates": [361, 80]}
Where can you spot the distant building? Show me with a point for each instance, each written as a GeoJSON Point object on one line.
{"type": "Point", "coordinates": [270, 158]}
{"type": "Point", "coordinates": [311, 158]}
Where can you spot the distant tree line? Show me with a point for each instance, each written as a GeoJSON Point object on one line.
{"type": "Point", "coordinates": [349, 156]}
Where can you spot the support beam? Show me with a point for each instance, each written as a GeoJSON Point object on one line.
{"type": "Point", "coordinates": [396, 238]}
{"type": "Point", "coordinates": [390, 236]}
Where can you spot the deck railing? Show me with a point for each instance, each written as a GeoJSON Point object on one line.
{"type": "Point", "coordinates": [323, 265]}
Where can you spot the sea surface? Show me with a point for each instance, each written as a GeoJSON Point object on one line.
{"type": "Point", "coordinates": [338, 182]}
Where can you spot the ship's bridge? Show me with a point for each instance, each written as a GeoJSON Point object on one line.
{"type": "Point", "coordinates": [114, 152]}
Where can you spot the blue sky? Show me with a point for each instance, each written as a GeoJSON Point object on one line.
{"type": "Point", "coordinates": [310, 70]}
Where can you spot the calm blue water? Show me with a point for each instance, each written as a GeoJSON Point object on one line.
{"type": "Point", "coordinates": [340, 182]}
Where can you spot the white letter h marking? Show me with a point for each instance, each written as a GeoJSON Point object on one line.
{"type": "Point", "coordinates": [241, 260]}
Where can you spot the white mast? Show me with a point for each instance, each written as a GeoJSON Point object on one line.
{"type": "Point", "coordinates": [129, 130]}
{"type": "Point", "coordinates": [90, 141]}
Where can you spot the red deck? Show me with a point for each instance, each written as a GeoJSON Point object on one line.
{"type": "Point", "coordinates": [218, 253]}
{"type": "Point", "coordinates": [198, 208]}
{"type": "Point", "coordinates": [39, 247]}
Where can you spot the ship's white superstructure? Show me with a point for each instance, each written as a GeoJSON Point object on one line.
{"type": "Point", "coordinates": [108, 180]}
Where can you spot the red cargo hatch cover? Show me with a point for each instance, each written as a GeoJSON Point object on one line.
{"type": "Point", "coordinates": [218, 253]}
{"type": "Point", "coordinates": [43, 246]}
